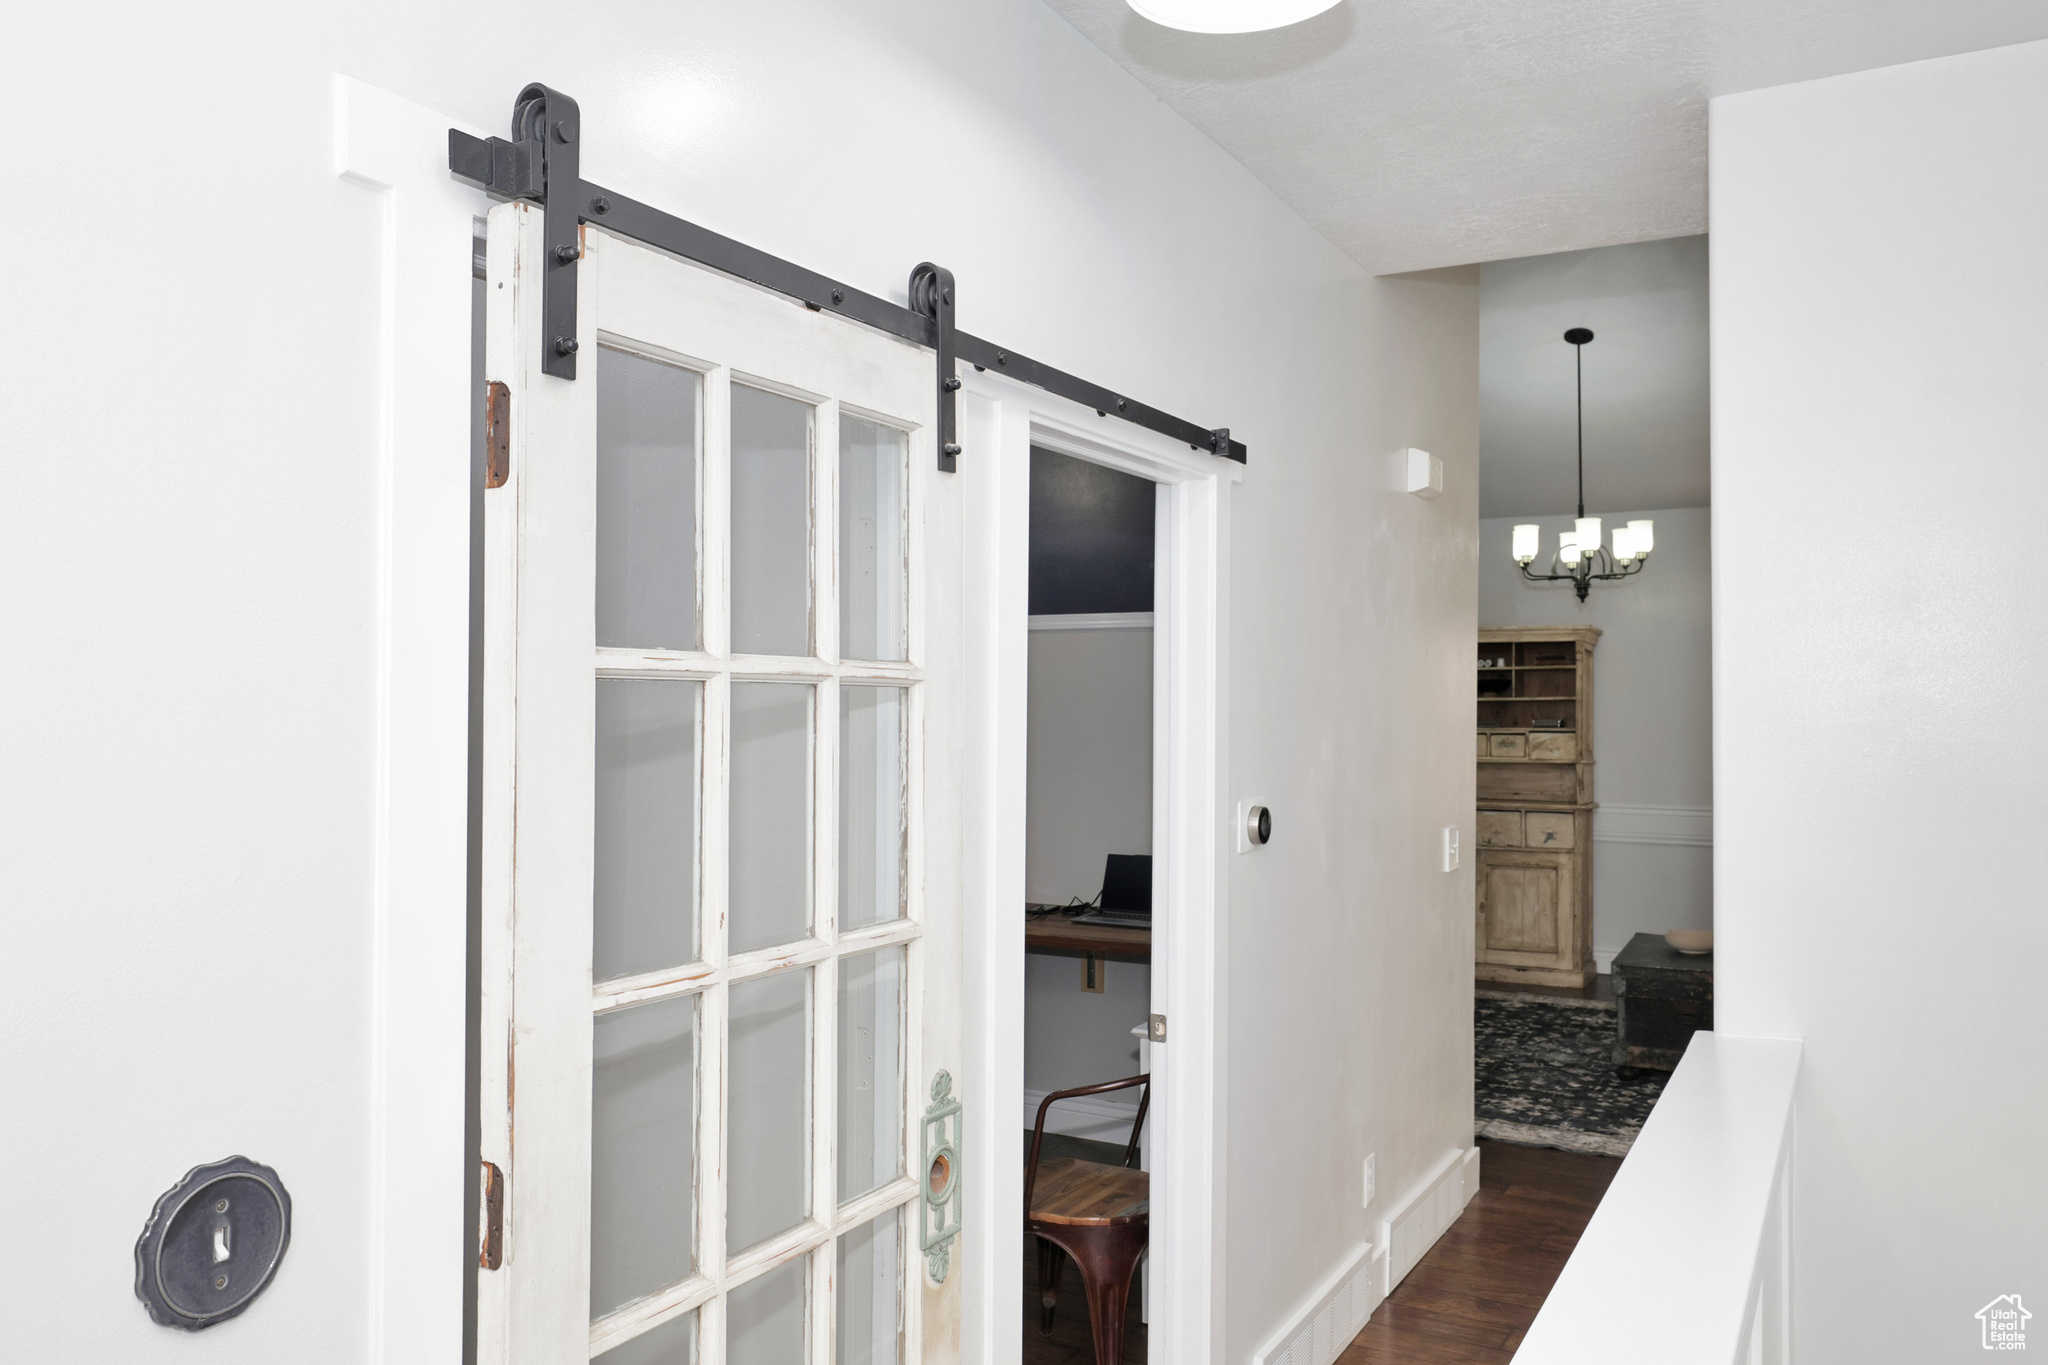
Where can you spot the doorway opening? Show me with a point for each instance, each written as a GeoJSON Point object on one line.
{"type": "Point", "coordinates": [1591, 834]}
{"type": "Point", "coordinates": [1593, 827]}
{"type": "Point", "coordinates": [1088, 869]}
{"type": "Point", "coordinates": [1004, 422]}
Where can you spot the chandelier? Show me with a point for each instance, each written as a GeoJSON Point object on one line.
{"type": "Point", "coordinates": [1581, 560]}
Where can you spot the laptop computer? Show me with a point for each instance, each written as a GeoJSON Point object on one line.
{"type": "Point", "coordinates": [1126, 900]}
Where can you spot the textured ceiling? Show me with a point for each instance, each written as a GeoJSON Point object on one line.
{"type": "Point", "coordinates": [1424, 133]}
{"type": "Point", "coordinates": [1646, 380]}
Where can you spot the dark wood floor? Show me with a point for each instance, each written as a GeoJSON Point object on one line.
{"type": "Point", "coordinates": [1478, 1289]}
{"type": "Point", "coordinates": [1469, 1301]}
{"type": "Point", "coordinates": [1071, 1343]}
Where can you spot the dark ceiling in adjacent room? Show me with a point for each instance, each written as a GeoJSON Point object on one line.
{"type": "Point", "coordinates": [1091, 537]}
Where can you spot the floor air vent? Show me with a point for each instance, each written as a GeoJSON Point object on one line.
{"type": "Point", "coordinates": [1413, 1227]}
{"type": "Point", "coordinates": [1326, 1324]}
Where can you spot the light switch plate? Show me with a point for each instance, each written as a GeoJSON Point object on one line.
{"type": "Point", "coordinates": [1371, 1178]}
{"type": "Point", "coordinates": [212, 1243]}
{"type": "Point", "coordinates": [1422, 473]}
{"type": "Point", "coordinates": [1450, 848]}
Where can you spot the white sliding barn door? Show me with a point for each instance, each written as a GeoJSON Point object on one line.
{"type": "Point", "coordinates": [721, 945]}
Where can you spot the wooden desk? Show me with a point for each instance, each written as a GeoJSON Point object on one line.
{"type": "Point", "coordinates": [1058, 934]}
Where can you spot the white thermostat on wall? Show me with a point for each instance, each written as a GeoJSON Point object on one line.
{"type": "Point", "coordinates": [1254, 826]}
{"type": "Point", "coordinates": [1423, 473]}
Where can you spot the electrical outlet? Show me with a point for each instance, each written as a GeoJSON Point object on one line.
{"type": "Point", "coordinates": [1094, 973]}
{"type": "Point", "coordinates": [1450, 848]}
{"type": "Point", "coordinates": [1371, 1178]}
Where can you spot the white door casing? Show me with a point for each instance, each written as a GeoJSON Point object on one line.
{"type": "Point", "coordinates": [544, 1006]}
{"type": "Point", "coordinates": [1001, 420]}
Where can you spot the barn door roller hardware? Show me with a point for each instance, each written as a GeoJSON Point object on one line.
{"type": "Point", "coordinates": [540, 162]}
{"type": "Point", "coordinates": [931, 296]}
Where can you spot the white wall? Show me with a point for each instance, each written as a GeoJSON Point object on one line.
{"type": "Point", "coordinates": [1348, 954]}
{"type": "Point", "coordinates": [1879, 293]}
{"type": "Point", "coordinates": [1090, 757]}
{"type": "Point", "coordinates": [1077, 1037]}
{"type": "Point", "coordinates": [189, 548]}
{"type": "Point", "coordinates": [1090, 794]}
{"type": "Point", "coordinates": [1653, 724]}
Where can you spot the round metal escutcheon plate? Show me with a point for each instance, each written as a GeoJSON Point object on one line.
{"type": "Point", "coordinates": [212, 1243]}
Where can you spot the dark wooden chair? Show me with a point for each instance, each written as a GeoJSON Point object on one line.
{"type": "Point", "coordinates": [1098, 1214]}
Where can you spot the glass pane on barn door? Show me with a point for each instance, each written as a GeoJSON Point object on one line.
{"type": "Point", "coordinates": [870, 1071]}
{"type": "Point", "coordinates": [868, 1317]}
{"type": "Point", "coordinates": [672, 1343]}
{"type": "Point", "coordinates": [768, 1109]}
{"type": "Point", "coordinates": [771, 522]}
{"type": "Point", "coordinates": [644, 897]}
{"type": "Point", "coordinates": [769, 878]}
{"type": "Point", "coordinates": [647, 444]}
{"type": "Point", "coordinates": [767, 1321]}
{"type": "Point", "coordinates": [643, 1151]}
{"type": "Point", "coordinates": [872, 578]}
{"type": "Point", "coordinates": [873, 848]}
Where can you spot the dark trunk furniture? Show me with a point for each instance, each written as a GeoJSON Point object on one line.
{"type": "Point", "coordinates": [1661, 998]}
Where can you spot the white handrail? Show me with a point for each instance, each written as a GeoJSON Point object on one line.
{"type": "Point", "coordinates": [1686, 1261]}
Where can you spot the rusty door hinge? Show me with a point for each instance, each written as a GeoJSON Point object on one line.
{"type": "Point", "coordinates": [497, 434]}
{"type": "Point", "coordinates": [491, 1246]}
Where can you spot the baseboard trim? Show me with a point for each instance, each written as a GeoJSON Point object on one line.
{"type": "Point", "coordinates": [1412, 1226]}
{"type": "Point", "coordinates": [1317, 1332]}
{"type": "Point", "coordinates": [1090, 1116]}
{"type": "Point", "coordinates": [1620, 823]}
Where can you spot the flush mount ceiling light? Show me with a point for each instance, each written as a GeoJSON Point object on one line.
{"type": "Point", "coordinates": [1584, 559]}
{"type": "Point", "coordinates": [1229, 16]}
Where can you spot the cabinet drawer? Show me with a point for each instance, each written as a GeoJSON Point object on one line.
{"type": "Point", "coordinates": [1557, 748]}
{"type": "Point", "coordinates": [1512, 783]}
{"type": "Point", "coordinates": [1549, 829]}
{"type": "Point", "coordinates": [1507, 746]}
{"type": "Point", "coordinates": [1483, 737]}
{"type": "Point", "coordinates": [1500, 829]}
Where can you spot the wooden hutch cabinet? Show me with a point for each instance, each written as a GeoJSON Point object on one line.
{"type": "Point", "coordinates": [1534, 834]}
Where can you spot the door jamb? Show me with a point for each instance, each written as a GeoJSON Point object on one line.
{"type": "Point", "coordinates": [1001, 420]}
{"type": "Point", "coordinates": [417, 1236]}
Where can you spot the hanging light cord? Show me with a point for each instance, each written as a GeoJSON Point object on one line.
{"type": "Point", "coordinates": [1579, 371]}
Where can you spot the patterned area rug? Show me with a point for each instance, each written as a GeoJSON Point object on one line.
{"type": "Point", "coordinates": [1544, 1075]}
